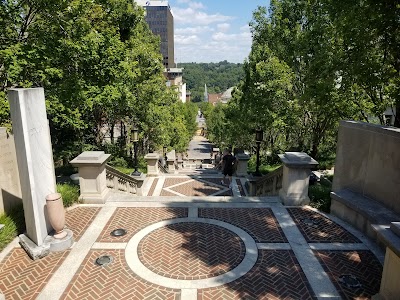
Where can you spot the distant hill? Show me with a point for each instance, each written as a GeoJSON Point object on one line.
{"type": "Point", "coordinates": [218, 77]}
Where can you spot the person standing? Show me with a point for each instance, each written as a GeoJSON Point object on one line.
{"type": "Point", "coordinates": [228, 166]}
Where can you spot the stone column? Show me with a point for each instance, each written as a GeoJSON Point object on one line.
{"type": "Point", "coordinates": [152, 164]}
{"type": "Point", "coordinates": [92, 176]}
{"type": "Point", "coordinates": [34, 157]}
{"type": "Point", "coordinates": [296, 174]}
{"type": "Point", "coordinates": [243, 160]}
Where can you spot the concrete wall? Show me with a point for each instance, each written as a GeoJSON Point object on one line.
{"type": "Point", "coordinates": [10, 188]}
{"type": "Point", "coordinates": [368, 162]}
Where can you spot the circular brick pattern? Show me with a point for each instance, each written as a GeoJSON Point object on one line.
{"type": "Point", "coordinates": [191, 250]}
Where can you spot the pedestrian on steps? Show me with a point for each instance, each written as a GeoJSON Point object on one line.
{"type": "Point", "coordinates": [228, 166]}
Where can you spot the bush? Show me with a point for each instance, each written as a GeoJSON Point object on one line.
{"type": "Point", "coordinates": [320, 197]}
{"type": "Point", "coordinates": [14, 224]}
{"type": "Point", "coordinates": [69, 193]}
{"type": "Point", "coordinates": [265, 168]}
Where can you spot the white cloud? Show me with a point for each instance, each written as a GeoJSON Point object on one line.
{"type": "Point", "coordinates": [223, 27]}
{"type": "Point", "coordinates": [197, 17]}
{"type": "Point", "coordinates": [204, 36]}
{"type": "Point", "coordinates": [193, 30]}
{"type": "Point", "coordinates": [187, 40]}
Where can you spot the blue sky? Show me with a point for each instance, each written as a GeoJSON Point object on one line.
{"type": "Point", "coordinates": [213, 30]}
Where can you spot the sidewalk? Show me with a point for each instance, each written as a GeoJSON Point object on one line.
{"type": "Point", "coordinates": [200, 250]}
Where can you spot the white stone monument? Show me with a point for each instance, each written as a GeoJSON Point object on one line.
{"type": "Point", "coordinates": [35, 166]}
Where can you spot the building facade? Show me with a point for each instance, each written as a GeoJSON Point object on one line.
{"type": "Point", "coordinates": [161, 22]}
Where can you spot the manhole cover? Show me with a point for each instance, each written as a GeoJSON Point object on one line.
{"type": "Point", "coordinates": [350, 281]}
{"type": "Point", "coordinates": [118, 232]}
{"type": "Point", "coordinates": [104, 260]}
{"type": "Point", "coordinates": [311, 222]}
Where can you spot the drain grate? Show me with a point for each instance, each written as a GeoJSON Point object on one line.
{"type": "Point", "coordinates": [350, 281]}
{"type": "Point", "coordinates": [311, 222]}
{"type": "Point", "coordinates": [118, 232]}
{"type": "Point", "coordinates": [104, 260]}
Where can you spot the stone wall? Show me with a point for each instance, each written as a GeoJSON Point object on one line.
{"type": "Point", "coordinates": [368, 162]}
{"type": "Point", "coordinates": [10, 189]}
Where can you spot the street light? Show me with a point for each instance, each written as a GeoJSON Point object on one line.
{"type": "Point", "coordinates": [135, 139]}
{"type": "Point", "coordinates": [259, 138]}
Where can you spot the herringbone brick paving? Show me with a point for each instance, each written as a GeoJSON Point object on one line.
{"type": "Point", "coordinates": [200, 188]}
{"type": "Point", "coordinates": [23, 278]}
{"type": "Point", "coordinates": [153, 187]}
{"type": "Point", "coordinates": [114, 281]}
{"type": "Point", "coordinates": [260, 223]}
{"type": "Point", "coordinates": [361, 264]}
{"type": "Point", "coordinates": [276, 275]}
{"type": "Point", "coordinates": [191, 251]}
{"type": "Point", "coordinates": [323, 231]}
{"type": "Point", "coordinates": [133, 219]}
{"type": "Point", "coordinates": [79, 219]}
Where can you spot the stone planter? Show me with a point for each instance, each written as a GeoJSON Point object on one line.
{"type": "Point", "coordinates": [56, 214]}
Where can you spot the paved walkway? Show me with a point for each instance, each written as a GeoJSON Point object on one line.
{"type": "Point", "coordinates": [241, 248]}
{"type": "Point", "coordinates": [191, 238]}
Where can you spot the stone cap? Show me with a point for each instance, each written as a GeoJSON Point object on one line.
{"type": "Point", "coordinates": [94, 158]}
{"type": "Point", "coordinates": [242, 156]}
{"type": "Point", "coordinates": [152, 156]}
{"type": "Point", "coordinates": [171, 155]}
{"type": "Point", "coordinates": [298, 160]}
{"type": "Point", "coordinates": [395, 227]}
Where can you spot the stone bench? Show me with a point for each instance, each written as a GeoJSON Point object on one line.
{"type": "Point", "coordinates": [390, 237]}
{"type": "Point", "coordinates": [361, 212]}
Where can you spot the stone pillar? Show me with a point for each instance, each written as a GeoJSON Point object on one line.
{"type": "Point", "coordinates": [34, 157]}
{"type": "Point", "coordinates": [296, 174]}
{"type": "Point", "coordinates": [152, 164]}
{"type": "Point", "coordinates": [92, 176]}
{"type": "Point", "coordinates": [243, 160]}
{"type": "Point", "coordinates": [390, 287]}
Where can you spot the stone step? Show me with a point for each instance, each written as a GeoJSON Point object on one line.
{"type": "Point", "coordinates": [125, 197]}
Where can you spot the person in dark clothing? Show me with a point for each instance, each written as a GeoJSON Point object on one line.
{"type": "Point", "coordinates": [228, 166]}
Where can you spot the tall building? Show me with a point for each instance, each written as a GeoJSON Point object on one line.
{"type": "Point", "coordinates": [161, 22]}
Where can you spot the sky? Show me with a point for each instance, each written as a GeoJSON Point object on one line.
{"type": "Point", "coordinates": [213, 30]}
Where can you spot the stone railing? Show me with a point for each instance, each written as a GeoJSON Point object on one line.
{"type": "Point", "coordinates": [119, 181]}
{"type": "Point", "coordinates": [268, 185]}
{"type": "Point", "coordinates": [162, 168]}
{"type": "Point", "coordinates": [96, 178]}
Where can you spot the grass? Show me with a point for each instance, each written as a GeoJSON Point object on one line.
{"type": "Point", "coordinates": [320, 197]}
{"type": "Point", "coordinates": [69, 193]}
{"type": "Point", "coordinates": [14, 224]}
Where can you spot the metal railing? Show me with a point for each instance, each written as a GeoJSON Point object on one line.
{"type": "Point", "coordinates": [268, 185]}
{"type": "Point", "coordinates": [119, 181]}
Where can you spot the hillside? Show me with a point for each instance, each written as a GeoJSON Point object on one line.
{"type": "Point", "coordinates": [218, 77]}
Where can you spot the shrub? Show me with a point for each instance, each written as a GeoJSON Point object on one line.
{"type": "Point", "coordinates": [69, 193]}
{"type": "Point", "coordinates": [320, 197]}
{"type": "Point", "coordinates": [14, 224]}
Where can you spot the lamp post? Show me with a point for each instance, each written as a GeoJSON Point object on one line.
{"type": "Point", "coordinates": [259, 138]}
{"type": "Point", "coordinates": [135, 139]}
{"type": "Point", "coordinates": [165, 155]}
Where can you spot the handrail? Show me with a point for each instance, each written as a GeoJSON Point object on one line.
{"type": "Point", "coordinates": [120, 181]}
{"type": "Point", "coordinates": [268, 185]}
{"type": "Point", "coordinates": [162, 168]}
